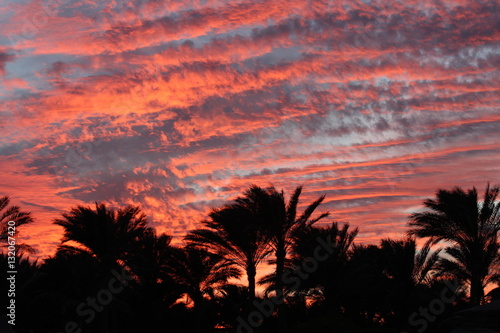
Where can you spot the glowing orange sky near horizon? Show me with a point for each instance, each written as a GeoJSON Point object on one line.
{"type": "Point", "coordinates": [179, 107]}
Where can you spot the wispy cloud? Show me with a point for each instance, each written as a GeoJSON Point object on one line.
{"type": "Point", "coordinates": [179, 106]}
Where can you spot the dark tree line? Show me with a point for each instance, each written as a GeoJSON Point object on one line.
{"type": "Point", "coordinates": [113, 273]}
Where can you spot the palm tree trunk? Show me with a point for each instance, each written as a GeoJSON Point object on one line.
{"type": "Point", "coordinates": [476, 287]}
{"type": "Point", "coordinates": [199, 313]}
{"type": "Point", "coordinates": [280, 270]}
{"type": "Point", "coordinates": [251, 272]}
{"type": "Point", "coordinates": [476, 290]}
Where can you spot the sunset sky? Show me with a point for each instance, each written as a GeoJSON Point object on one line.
{"type": "Point", "coordinates": [178, 106]}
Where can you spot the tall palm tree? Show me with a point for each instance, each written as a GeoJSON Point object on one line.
{"type": "Point", "coordinates": [282, 223]}
{"type": "Point", "coordinates": [233, 232]}
{"type": "Point", "coordinates": [472, 227]}
{"type": "Point", "coordinates": [13, 213]}
{"type": "Point", "coordinates": [108, 234]}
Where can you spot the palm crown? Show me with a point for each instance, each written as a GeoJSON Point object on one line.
{"type": "Point", "coordinates": [470, 227]}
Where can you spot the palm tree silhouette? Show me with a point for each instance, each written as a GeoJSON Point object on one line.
{"type": "Point", "coordinates": [231, 302]}
{"type": "Point", "coordinates": [282, 224]}
{"type": "Point", "coordinates": [233, 232]}
{"type": "Point", "coordinates": [329, 277]}
{"type": "Point", "coordinates": [200, 273]}
{"type": "Point", "coordinates": [405, 264]}
{"type": "Point", "coordinates": [151, 262]}
{"type": "Point", "coordinates": [409, 273]}
{"type": "Point", "coordinates": [363, 285]}
{"type": "Point", "coordinates": [108, 234]}
{"type": "Point", "coordinates": [13, 213]}
{"type": "Point", "coordinates": [456, 216]}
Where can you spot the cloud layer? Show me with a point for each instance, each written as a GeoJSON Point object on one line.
{"type": "Point", "coordinates": [178, 107]}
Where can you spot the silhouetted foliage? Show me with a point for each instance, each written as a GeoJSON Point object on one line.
{"type": "Point", "coordinates": [200, 274]}
{"type": "Point", "coordinates": [472, 227]}
{"type": "Point", "coordinates": [409, 274]}
{"type": "Point", "coordinates": [107, 234]}
{"type": "Point", "coordinates": [112, 273]}
{"type": "Point", "coordinates": [283, 225]}
{"type": "Point", "coordinates": [234, 232]}
{"type": "Point", "coordinates": [13, 213]}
